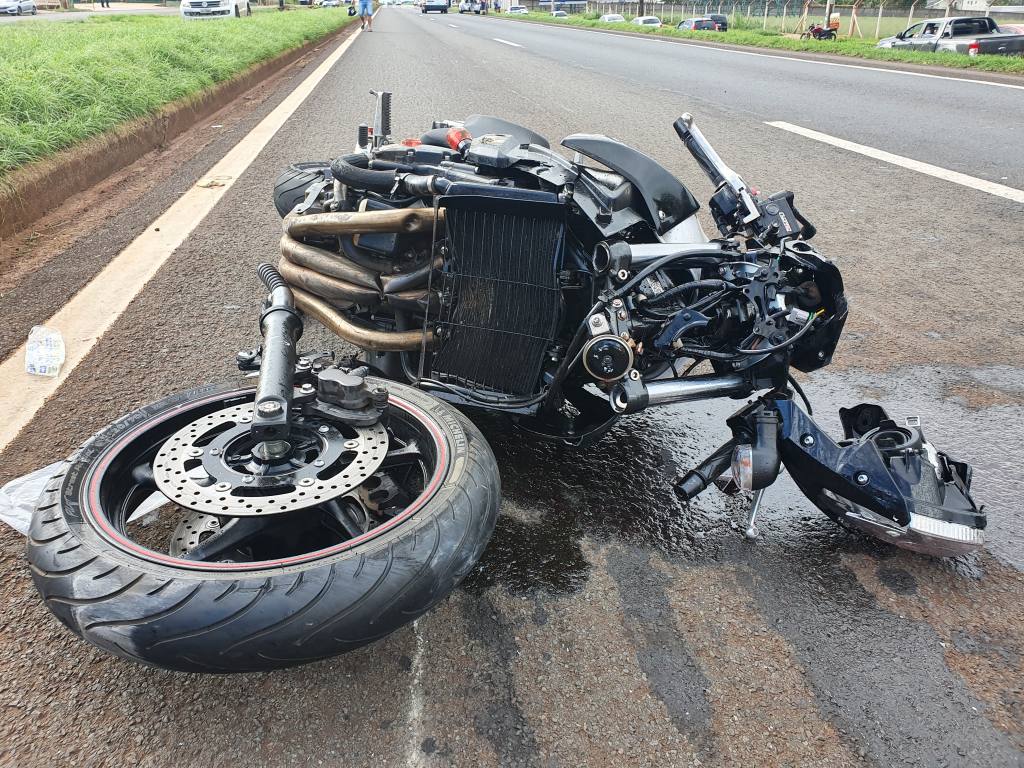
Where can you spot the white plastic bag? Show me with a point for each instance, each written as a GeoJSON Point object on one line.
{"type": "Point", "coordinates": [44, 351]}
{"type": "Point", "coordinates": [18, 498]}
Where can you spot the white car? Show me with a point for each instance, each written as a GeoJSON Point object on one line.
{"type": "Point", "coordinates": [18, 7]}
{"type": "Point", "coordinates": [612, 18]}
{"type": "Point", "coordinates": [213, 9]}
{"type": "Point", "coordinates": [647, 21]}
{"type": "Point", "coordinates": [517, 9]}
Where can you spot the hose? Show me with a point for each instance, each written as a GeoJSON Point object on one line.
{"type": "Point", "coordinates": [351, 171]}
{"type": "Point", "coordinates": [678, 289]}
{"type": "Point", "coordinates": [700, 477]}
{"type": "Point", "coordinates": [415, 279]}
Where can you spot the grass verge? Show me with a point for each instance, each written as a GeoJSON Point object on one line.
{"type": "Point", "coordinates": [63, 83]}
{"type": "Point", "coordinates": [861, 49]}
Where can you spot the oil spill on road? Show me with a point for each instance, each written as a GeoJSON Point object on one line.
{"type": "Point", "coordinates": [620, 488]}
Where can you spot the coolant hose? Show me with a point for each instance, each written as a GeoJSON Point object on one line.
{"type": "Point", "coordinates": [415, 279]}
{"type": "Point", "coordinates": [351, 171]}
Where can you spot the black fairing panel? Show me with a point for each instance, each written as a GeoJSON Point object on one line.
{"type": "Point", "coordinates": [666, 200]}
{"type": "Point", "coordinates": [480, 125]}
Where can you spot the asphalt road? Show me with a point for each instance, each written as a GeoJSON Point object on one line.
{"type": "Point", "coordinates": [607, 624]}
{"type": "Point", "coordinates": [972, 128]}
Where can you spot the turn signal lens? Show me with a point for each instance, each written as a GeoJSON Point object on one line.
{"type": "Point", "coordinates": [458, 138]}
{"type": "Point", "coordinates": [743, 467]}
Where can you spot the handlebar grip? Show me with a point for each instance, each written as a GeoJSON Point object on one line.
{"type": "Point", "coordinates": [700, 477]}
{"type": "Point", "coordinates": [702, 152]}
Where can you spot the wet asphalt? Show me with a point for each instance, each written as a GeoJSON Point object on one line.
{"type": "Point", "coordinates": [607, 623]}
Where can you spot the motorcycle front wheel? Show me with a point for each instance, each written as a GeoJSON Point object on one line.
{"type": "Point", "coordinates": [149, 580]}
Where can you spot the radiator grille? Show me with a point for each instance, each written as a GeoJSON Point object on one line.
{"type": "Point", "coordinates": [503, 300]}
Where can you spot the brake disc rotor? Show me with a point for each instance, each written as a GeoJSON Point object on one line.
{"type": "Point", "coordinates": [216, 467]}
{"type": "Point", "coordinates": [191, 531]}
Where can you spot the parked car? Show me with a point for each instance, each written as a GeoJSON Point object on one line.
{"type": "Point", "coordinates": [647, 21]}
{"type": "Point", "coordinates": [612, 18]}
{"type": "Point", "coordinates": [517, 9]}
{"type": "Point", "coordinates": [18, 7]}
{"type": "Point", "coordinates": [330, 3]}
{"type": "Point", "coordinates": [698, 25]}
{"type": "Point", "coordinates": [213, 9]}
{"type": "Point", "coordinates": [472, 6]}
{"type": "Point", "coordinates": [560, 14]}
{"type": "Point", "coordinates": [721, 20]}
{"type": "Point", "coordinates": [438, 6]}
{"type": "Point", "coordinates": [959, 34]}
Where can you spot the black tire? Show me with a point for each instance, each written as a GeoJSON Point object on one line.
{"type": "Point", "coordinates": [199, 620]}
{"type": "Point", "coordinates": [290, 187]}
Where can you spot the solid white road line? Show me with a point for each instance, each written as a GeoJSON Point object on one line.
{"type": "Point", "coordinates": [814, 62]}
{"type": "Point", "coordinates": [87, 316]}
{"type": "Point", "coordinates": [1000, 190]}
{"type": "Point", "coordinates": [506, 42]}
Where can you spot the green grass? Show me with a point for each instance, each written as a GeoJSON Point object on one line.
{"type": "Point", "coordinates": [63, 83]}
{"type": "Point", "coordinates": [862, 49]}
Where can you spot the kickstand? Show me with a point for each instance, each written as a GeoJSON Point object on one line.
{"type": "Point", "coordinates": [750, 531]}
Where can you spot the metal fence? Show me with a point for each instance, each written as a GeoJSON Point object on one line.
{"type": "Point", "coordinates": [785, 16]}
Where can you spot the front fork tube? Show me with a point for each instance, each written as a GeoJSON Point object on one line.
{"type": "Point", "coordinates": [281, 327]}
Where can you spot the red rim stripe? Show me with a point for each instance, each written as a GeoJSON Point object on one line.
{"type": "Point", "coordinates": [99, 521]}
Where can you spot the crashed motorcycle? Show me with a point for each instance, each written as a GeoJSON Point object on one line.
{"type": "Point", "coordinates": [471, 269]}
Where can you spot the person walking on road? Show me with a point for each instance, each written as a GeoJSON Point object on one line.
{"type": "Point", "coordinates": [366, 14]}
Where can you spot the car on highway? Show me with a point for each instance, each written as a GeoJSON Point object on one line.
{"type": "Point", "coordinates": [560, 14]}
{"type": "Point", "coordinates": [470, 6]}
{"type": "Point", "coordinates": [647, 21]}
{"type": "Point", "coordinates": [703, 24]}
{"type": "Point", "coordinates": [721, 20]}
{"type": "Point", "coordinates": [972, 35]}
{"type": "Point", "coordinates": [213, 9]}
{"type": "Point", "coordinates": [613, 18]}
{"type": "Point", "coordinates": [438, 6]}
{"type": "Point", "coordinates": [517, 10]}
{"type": "Point", "coordinates": [18, 7]}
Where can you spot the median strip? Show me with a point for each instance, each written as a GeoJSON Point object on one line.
{"type": "Point", "coordinates": [990, 187]}
{"type": "Point", "coordinates": [811, 49]}
{"type": "Point", "coordinates": [93, 310]}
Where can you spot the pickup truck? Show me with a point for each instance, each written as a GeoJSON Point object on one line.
{"type": "Point", "coordinates": [958, 34]}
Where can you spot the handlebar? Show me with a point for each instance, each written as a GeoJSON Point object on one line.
{"type": "Point", "coordinates": [713, 165]}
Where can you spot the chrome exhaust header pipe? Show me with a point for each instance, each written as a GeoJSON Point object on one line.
{"type": "Point", "coordinates": [630, 396]}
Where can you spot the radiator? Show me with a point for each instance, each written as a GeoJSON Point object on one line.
{"type": "Point", "coordinates": [502, 301]}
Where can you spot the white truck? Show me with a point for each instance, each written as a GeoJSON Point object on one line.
{"type": "Point", "coordinates": [214, 9]}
